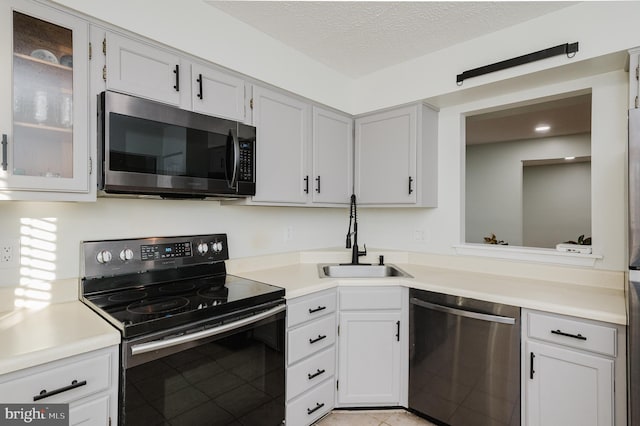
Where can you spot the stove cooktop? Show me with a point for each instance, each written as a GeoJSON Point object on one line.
{"type": "Point", "coordinates": [157, 307]}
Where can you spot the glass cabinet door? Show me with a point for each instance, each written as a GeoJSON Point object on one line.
{"type": "Point", "coordinates": [46, 147]}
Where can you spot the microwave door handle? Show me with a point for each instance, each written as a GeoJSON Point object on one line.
{"type": "Point", "coordinates": [236, 157]}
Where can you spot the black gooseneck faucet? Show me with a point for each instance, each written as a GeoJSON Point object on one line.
{"type": "Point", "coordinates": [353, 218]}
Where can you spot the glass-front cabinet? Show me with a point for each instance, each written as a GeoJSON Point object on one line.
{"type": "Point", "coordinates": [43, 116]}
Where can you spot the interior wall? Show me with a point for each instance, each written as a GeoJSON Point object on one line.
{"type": "Point", "coordinates": [251, 230]}
{"type": "Point", "coordinates": [494, 183]}
{"type": "Point", "coordinates": [556, 200]}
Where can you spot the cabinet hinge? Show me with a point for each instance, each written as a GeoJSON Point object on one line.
{"type": "Point", "coordinates": [251, 103]}
{"type": "Point", "coordinates": [104, 73]}
{"type": "Point", "coordinates": [104, 45]}
{"type": "Point", "coordinates": [90, 51]}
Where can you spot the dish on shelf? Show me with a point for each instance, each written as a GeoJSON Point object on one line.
{"type": "Point", "coordinates": [66, 60]}
{"type": "Point", "coordinates": [45, 55]}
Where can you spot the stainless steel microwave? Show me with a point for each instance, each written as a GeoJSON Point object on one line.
{"type": "Point", "coordinates": [149, 148]}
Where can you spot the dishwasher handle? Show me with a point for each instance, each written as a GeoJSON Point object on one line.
{"type": "Point", "coordinates": [462, 312]}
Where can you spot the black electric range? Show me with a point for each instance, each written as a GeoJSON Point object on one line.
{"type": "Point", "coordinates": [195, 340]}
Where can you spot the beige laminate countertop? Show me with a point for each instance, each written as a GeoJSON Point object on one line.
{"type": "Point", "coordinates": [591, 301]}
{"type": "Point", "coordinates": [67, 327]}
{"type": "Point", "coordinates": [30, 337]}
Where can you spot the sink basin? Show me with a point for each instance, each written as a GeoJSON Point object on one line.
{"type": "Point", "coordinates": [360, 271]}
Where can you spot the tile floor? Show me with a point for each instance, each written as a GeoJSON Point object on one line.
{"type": "Point", "coordinates": [372, 418]}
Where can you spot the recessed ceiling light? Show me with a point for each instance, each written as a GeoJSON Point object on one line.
{"type": "Point", "coordinates": [543, 128]}
{"type": "Point", "coordinates": [569, 158]}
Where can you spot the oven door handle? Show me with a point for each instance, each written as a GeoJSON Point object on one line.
{"type": "Point", "coordinates": [167, 343]}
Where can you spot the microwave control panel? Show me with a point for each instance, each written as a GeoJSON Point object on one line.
{"type": "Point", "coordinates": [247, 155]}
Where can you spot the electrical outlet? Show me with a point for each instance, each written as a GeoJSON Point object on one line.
{"type": "Point", "coordinates": [288, 233]}
{"type": "Point", "coordinates": [9, 253]}
{"type": "Point", "coordinates": [420, 235]}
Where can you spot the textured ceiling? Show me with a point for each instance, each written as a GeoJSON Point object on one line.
{"type": "Point", "coordinates": [356, 38]}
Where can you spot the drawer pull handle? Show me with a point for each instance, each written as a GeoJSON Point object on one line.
{"type": "Point", "coordinates": [575, 336]}
{"type": "Point", "coordinates": [44, 394]}
{"type": "Point", "coordinates": [318, 406]}
{"type": "Point", "coordinates": [318, 309]}
{"type": "Point", "coordinates": [314, 375]}
{"type": "Point", "coordinates": [317, 339]}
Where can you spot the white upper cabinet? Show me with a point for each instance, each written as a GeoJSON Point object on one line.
{"type": "Point", "coordinates": [396, 157]}
{"type": "Point", "coordinates": [43, 117]}
{"type": "Point", "coordinates": [162, 75]}
{"type": "Point", "coordinates": [304, 153]}
{"type": "Point", "coordinates": [283, 132]}
{"type": "Point", "coordinates": [216, 93]}
{"type": "Point", "coordinates": [332, 157]}
{"type": "Point", "coordinates": [140, 69]}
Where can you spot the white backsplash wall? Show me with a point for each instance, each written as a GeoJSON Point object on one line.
{"type": "Point", "coordinates": [252, 230]}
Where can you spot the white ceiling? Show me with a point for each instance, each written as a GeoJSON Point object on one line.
{"type": "Point", "coordinates": [566, 116]}
{"type": "Point", "coordinates": [356, 38]}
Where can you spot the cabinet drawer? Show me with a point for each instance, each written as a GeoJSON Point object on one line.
{"type": "Point", "coordinates": [370, 298]}
{"type": "Point", "coordinates": [311, 338]}
{"type": "Point", "coordinates": [92, 412]}
{"type": "Point", "coordinates": [23, 386]}
{"type": "Point", "coordinates": [310, 307]}
{"type": "Point", "coordinates": [311, 406]}
{"type": "Point", "coordinates": [310, 372]}
{"type": "Point", "coordinates": [573, 333]}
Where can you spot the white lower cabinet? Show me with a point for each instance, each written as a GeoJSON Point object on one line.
{"type": "Point", "coordinates": [311, 357]}
{"type": "Point", "coordinates": [87, 382]}
{"type": "Point", "coordinates": [372, 347]}
{"type": "Point", "coordinates": [569, 372]}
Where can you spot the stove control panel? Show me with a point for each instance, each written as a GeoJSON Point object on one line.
{"type": "Point", "coordinates": [117, 257]}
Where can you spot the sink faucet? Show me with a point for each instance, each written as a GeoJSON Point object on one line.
{"type": "Point", "coordinates": [353, 218]}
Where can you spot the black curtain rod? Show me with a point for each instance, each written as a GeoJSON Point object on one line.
{"type": "Point", "coordinates": [568, 49]}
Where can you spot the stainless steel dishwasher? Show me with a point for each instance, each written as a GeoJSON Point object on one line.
{"type": "Point", "coordinates": [464, 360]}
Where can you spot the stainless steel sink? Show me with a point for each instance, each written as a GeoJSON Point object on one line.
{"type": "Point", "coordinates": [334, 270]}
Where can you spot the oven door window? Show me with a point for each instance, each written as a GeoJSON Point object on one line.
{"type": "Point", "coordinates": [238, 379]}
{"type": "Point", "coordinates": [143, 146]}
